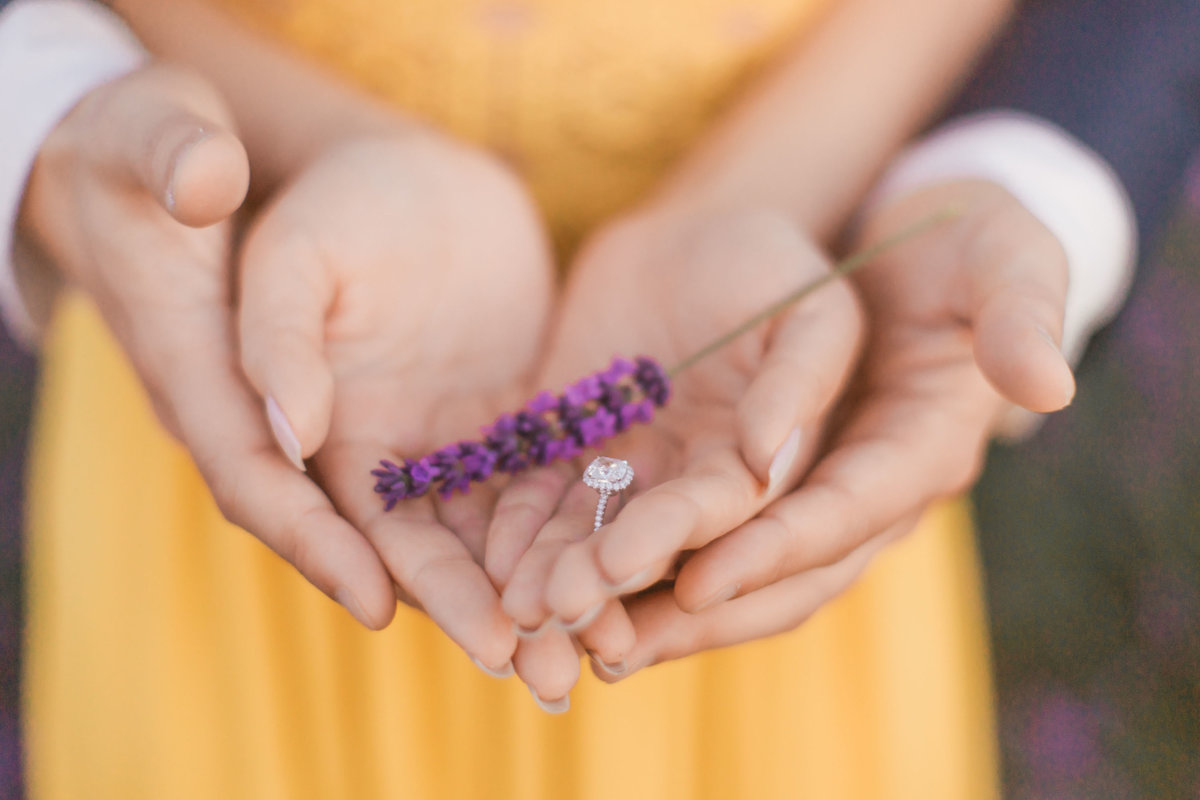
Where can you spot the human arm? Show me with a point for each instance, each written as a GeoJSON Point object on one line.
{"type": "Point", "coordinates": [767, 172]}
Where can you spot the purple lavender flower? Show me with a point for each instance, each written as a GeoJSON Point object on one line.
{"type": "Point", "coordinates": [653, 380]}
{"type": "Point", "coordinates": [548, 429]}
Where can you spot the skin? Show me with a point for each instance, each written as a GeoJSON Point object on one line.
{"type": "Point", "coordinates": [831, 112]}
{"type": "Point", "coordinates": [357, 363]}
{"type": "Point", "coordinates": [964, 322]}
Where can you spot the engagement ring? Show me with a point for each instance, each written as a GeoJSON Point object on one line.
{"type": "Point", "coordinates": [607, 476]}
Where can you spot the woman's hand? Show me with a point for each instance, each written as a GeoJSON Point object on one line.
{"type": "Point", "coordinates": [964, 322]}
{"type": "Point", "coordinates": [393, 300]}
{"type": "Point", "coordinates": [738, 431]}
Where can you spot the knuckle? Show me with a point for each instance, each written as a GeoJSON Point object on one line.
{"type": "Point", "coordinates": [512, 513]}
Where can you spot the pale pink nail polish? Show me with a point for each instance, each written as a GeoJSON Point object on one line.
{"type": "Point", "coordinates": [785, 456]}
{"type": "Point", "coordinates": [552, 706]}
{"type": "Point", "coordinates": [583, 620]}
{"type": "Point", "coordinates": [638, 581]}
{"type": "Point", "coordinates": [504, 672]}
{"type": "Point", "coordinates": [1045, 334]}
{"type": "Point", "coordinates": [528, 633]}
{"type": "Point", "coordinates": [615, 669]}
{"type": "Point", "coordinates": [285, 437]}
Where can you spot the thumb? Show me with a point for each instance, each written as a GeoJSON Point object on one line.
{"type": "Point", "coordinates": [171, 135]}
{"type": "Point", "coordinates": [285, 294]}
{"type": "Point", "coordinates": [1017, 284]}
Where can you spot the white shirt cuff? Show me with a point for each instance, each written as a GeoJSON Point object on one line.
{"type": "Point", "coordinates": [1069, 188]}
{"type": "Point", "coordinates": [52, 53]}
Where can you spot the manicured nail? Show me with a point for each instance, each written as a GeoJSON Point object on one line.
{"type": "Point", "coordinates": [1069, 395]}
{"type": "Point", "coordinates": [504, 672]}
{"type": "Point", "coordinates": [720, 597]}
{"type": "Point", "coordinates": [285, 437]}
{"type": "Point", "coordinates": [636, 582]}
{"type": "Point", "coordinates": [181, 151]}
{"type": "Point", "coordinates": [785, 456]}
{"type": "Point", "coordinates": [614, 670]}
{"type": "Point", "coordinates": [528, 633]}
{"type": "Point", "coordinates": [558, 706]}
{"type": "Point", "coordinates": [583, 620]}
{"type": "Point", "coordinates": [349, 602]}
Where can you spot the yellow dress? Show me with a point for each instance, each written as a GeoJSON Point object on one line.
{"type": "Point", "coordinates": [171, 656]}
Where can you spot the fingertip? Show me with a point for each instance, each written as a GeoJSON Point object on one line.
{"type": "Point", "coordinates": [550, 667]}
{"type": "Point", "coordinates": [306, 393]}
{"type": "Point", "coordinates": [762, 429]}
{"type": "Point", "coordinates": [768, 414]}
{"type": "Point", "coordinates": [706, 580]}
{"type": "Point", "coordinates": [284, 433]}
{"type": "Point", "coordinates": [1021, 359]}
{"type": "Point", "coordinates": [336, 558]}
{"type": "Point", "coordinates": [375, 615]}
{"type": "Point", "coordinates": [208, 179]}
{"type": "Point", "coordinates": [1061, 376]}
{"type": "Point", "coordinates": [522, 604]}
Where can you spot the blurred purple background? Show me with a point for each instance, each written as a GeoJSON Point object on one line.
{"type": "Point", "coordinates": [1091, 542]}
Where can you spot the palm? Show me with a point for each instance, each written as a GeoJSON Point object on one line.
{"type": "Point", "coordinates": [632, 293]}
{"type": "Point", "coordinates": [665, 289]}
{"type": "Point", "coordinates": [954, 334]}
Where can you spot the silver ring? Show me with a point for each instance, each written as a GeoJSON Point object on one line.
{"type": "Point", "coordinates": [607, 476]}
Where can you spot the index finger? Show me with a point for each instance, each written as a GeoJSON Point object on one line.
{"type": "Point", "coordinates": [221, 423]}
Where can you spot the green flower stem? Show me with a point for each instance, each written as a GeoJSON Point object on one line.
{"type": "Point", "coordinates": [841, 270]}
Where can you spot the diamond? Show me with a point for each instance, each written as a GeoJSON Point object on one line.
{"type": "Point", "coordinates": [608, 474]}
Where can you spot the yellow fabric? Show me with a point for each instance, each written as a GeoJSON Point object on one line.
{"type": "Point", "coordinates": [172, 656]}
{"type": "Point", "coordinates": [590, 100]}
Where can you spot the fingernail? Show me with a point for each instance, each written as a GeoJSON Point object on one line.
{"type": "Point", "coordinates": [583, 620]}
{"type": "Point", "coordinates": [552, 706]}
{"type": "Point", "coordinates": [285, 437]}
{"type": "Point", "coordinates": [349, 602]}
{"type": "Point", "coordinates": [1045, 334]}
{"type": "Point", "coordinates": [528, 633]}
{"type": "Point", "coordinates": [785, 456]}
{"type": "Point", "coordinates": [1069, 393]}
{"type": "Point", "coordinates": [504, 672]}
{"type": "Point", "coordinates": [629, 584]}
{"type": "Point", "coordinates": [184, 147]}
{"type": "Point", "coordinates": [616, 669]}
{"type": "Point", "coordinates": [720, 597]}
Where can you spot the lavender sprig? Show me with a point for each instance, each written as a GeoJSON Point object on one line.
{"type": "Point", "coordinates": [549, 428]}
{"type": "Point", "coordinates": [589, 411]}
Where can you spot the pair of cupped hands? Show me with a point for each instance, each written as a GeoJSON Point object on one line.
{"type": "Point", "coordinates": [397, 293]}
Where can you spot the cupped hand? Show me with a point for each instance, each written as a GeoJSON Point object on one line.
{"type": "Point", "coordinates": [736, 433]}
{"type": "Point", "coordinates": [393, 300]}
{"type": "Point", "coordinates": [129, 201]}
{"type": "Point", "coordinates": [964, 322]}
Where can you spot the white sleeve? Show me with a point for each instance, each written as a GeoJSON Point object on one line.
{"type": "Point", "coordinates": [52, 53]}
{"type": "Point", "coordinates": [1070, 189]}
